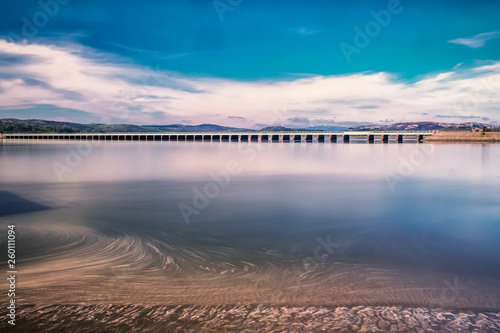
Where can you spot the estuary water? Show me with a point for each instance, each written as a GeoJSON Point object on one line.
{"type": "Point", "coordinates": [246, 224]}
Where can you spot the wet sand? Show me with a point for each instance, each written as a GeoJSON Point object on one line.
{"type": "Point", "coordinates": [251, 318]}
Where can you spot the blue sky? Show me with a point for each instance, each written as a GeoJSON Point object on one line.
{"type": "Point", "coordinates": [300, 63]}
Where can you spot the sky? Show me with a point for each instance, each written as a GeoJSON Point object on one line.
{"type": "Point", "coordinates": [250, 64]}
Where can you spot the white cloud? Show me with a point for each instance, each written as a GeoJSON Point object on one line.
{"type": "Point", "coordinates": [308, 31]}
{"type": "Point", "coordinates": [303, 31]}
{"type": "Point", "coordinates": [476, 41]}
{"type": "Point", "coordinates": [111, 88]}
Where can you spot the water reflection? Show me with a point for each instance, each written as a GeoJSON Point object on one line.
{"type": "Point", "coordinates": [115, 161]}
{"type": "Point", "coordinates": [297, 224]}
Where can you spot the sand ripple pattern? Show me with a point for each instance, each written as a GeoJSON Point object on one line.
{"type": "Point", "coordinates": [249, 318]}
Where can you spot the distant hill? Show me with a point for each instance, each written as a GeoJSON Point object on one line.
{"type": "Point", "coordinates": [328, 128]}
{"type": "Point", "coordinates": [422, 125]}
{"type": "Point", "coordinates": [194, 128]}
{"type": "Point", "coordinates": [275, 129]}
{"type": "Point", "coordinates": [286, 129]}
{"type": "Point", "coordinates": [10, 125]}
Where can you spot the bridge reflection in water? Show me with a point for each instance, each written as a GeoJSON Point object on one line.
{"type": "Point", "coordinates": [331, 137]}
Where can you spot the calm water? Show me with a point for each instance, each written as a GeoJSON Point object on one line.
{"type": "Point", "coordinates": [227, 223]}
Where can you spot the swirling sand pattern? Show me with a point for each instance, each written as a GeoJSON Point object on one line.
{"type": "Point", "coordinates": [169, 268]}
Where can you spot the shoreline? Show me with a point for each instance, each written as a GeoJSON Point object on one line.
{"type": "Point", "coordinates": [464, 137]}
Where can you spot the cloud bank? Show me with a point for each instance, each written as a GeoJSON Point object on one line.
{"type": "Point", "coordinates": [75, 83]}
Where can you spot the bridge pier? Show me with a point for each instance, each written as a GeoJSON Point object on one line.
{"type": "Point", "coordinates": [345, 139]}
